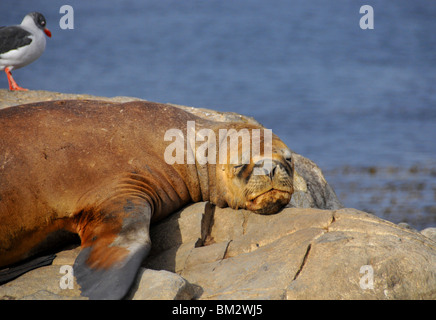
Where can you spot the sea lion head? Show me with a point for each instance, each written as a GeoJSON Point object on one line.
{"type": "Point", "coordinates": [257, 181]}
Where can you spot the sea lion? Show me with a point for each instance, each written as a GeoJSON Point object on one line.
{"type": "Point", "coordinates": [105, 171]}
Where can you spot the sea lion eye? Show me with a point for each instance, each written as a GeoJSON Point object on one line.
{"type": "Point", "coordinates": [238, 168]}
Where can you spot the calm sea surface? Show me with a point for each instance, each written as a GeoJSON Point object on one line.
{"type": "Point", "coordinates": [360, 103]}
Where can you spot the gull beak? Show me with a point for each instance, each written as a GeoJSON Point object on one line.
{"type": "Point", "coordinates": [47, 32]}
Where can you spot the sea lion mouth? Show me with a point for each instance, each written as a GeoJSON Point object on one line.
{"type": "Point", "coordinates": [269, 202]}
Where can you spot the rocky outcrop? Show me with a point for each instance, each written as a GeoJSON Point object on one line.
{"type": "Point", "coordinates": [296, 254]}
{"type": "Point", "coordinates": [315, 249]}
{"type": "Point", "coordinates": [205, 252]}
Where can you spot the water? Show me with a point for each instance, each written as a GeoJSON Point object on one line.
{"type": "Point", "coordinates": [339, 95]}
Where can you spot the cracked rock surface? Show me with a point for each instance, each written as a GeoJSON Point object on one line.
{"type": "Point", "coordinates": [205, 252]}
{"type": "Point", "coordinates": [299, 254]}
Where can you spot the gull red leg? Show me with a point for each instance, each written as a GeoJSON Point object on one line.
{"type": "Point", "coordinates": [12, 84]}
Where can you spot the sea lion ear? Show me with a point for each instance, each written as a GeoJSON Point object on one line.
{"type": "Point", "coordinates": [114, 244]}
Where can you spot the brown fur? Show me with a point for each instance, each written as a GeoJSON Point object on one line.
{"type": "Point", "coordinates": [61, 161]}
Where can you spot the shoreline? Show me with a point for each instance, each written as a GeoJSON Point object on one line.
{"type": "Point", "coordinates": [398, 194]}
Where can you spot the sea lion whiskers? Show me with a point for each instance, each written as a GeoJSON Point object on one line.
{"type": "Point", "coordinates": [256, 186]}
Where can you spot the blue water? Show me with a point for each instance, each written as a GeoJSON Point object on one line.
{"type": "Point", "coordinates": [337, 94]}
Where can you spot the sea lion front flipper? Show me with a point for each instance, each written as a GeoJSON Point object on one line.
{"type": "Point", "coordinates": [115, 240]}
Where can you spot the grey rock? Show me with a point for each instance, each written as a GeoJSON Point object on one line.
{"type": "Point", "coordinates": [304, 254]}
{"type": "Point", "coordinates": [429, 233]}
{"type": "Point", "coordinates": [161, 285]}
{"type": "Point", "coordinates": [40, 284]}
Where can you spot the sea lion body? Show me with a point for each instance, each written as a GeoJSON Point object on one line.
{"type": "Point", "coordinates": [97, 169]}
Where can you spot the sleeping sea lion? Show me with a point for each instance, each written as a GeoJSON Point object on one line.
{"type": "Point", "coordinates": [105, 171]}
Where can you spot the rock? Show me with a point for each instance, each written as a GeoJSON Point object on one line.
{"type": "Point", "coordinates": [161, 285]}
{"type": "Point", "coordinates": [42, 295]}
{"type": "Point", "coordinates": [40, 284]}
{"type": "Point", "coordinates": [406, 226]}
{"type": "Point", "coordinates": [311, 188]}
{"type": "Point", "coordinates": [429, 233]}
{"type": "Point", "coordinates": [205, 252]}
{"type": "Point", "coordinates": [14, 98]}
{"type": "Point", "coordinates": [66, 257]}
{"type": "Point", "coordinates": [301, 254]}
